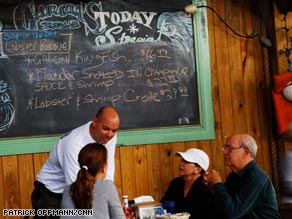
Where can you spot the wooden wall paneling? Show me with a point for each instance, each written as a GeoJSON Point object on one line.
{"type": "Point", "coordinates": [39, 160]}
{"type": "Point", "coordinates": [118, 174]}
{"type": "Point", "coordinates": [222, 57]}
{"type": "Point", "coordinates": [224, 82]}
{"type": "Point", "coordinates": [191, 144]}
{"type": "Point", "coordinates": [217, 159]}
{"type": "Point", "coordinates": [11, 183]}
{"type": "Point", "coordinates": [251, 94]}
{"type": "Point", "coordinates": [26, 179]}
{"type": "Point", "coordinates": [128, 171]}
{"type": "Point", "coordinates": [237, 61]}
{"type": "Point", "coordinates": [205, 146]}
{"type": "Point", "coordinates": [141, 170]}
{"type": "Point", "coordinates": [166, 157]}
{"type": "Point", "coordinates": [216, 155]}
{"type": "Point", "coordinates": [176, 160]}
{"type": "Point", "coordinates": [155, 170]}
{"type": "Point", "coordinates": [250, 90]}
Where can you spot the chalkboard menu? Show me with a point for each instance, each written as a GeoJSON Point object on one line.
{"type": "Point", "coordinates": [60, 62]}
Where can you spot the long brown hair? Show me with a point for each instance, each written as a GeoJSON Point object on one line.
{"type": "Point", "coordinates": [92, 159]}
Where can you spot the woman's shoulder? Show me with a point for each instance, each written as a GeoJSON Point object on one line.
{"type": "Point", "coordinates": [104, 184]}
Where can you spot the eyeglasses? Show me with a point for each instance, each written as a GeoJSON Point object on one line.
{"type": "Point", "coordinates": [230, 148]}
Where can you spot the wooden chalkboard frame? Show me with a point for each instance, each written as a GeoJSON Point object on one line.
{"type": "Point", "coordinates": [203, 131]}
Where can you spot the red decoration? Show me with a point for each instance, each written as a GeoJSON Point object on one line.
{"type": "Point", "coordinates": [283, 107]}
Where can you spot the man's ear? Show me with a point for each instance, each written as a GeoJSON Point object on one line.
{"type": "Point", "coordinates": [247, 151]}
{"type": "Point", "coordinates": [94, 120]}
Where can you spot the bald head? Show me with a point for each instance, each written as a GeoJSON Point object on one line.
{"type": "Point", "coordinates": [105, 124]}
{"type": "Point", "coordinates": [107, 111]}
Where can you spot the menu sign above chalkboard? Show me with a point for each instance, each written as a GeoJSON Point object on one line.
{"type": "Point", "coordinates": [60, 62]}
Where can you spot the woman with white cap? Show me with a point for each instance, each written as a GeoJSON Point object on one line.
{"type": "Point", "coordinates": [188, 190]}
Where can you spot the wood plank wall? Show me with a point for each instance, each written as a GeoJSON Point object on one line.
{"type": "Point", "coordinates": [239, 87]}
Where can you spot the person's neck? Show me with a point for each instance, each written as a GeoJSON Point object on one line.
{"type": "Point", "coordinates": [242, 166]}
{"type": "Point", "coordinates": [100, 176]}
{"type": "Point", "coordinates": [190, 180]}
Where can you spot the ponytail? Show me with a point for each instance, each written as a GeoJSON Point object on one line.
{"type": "Point", "coordinates": [92, 159]}
{"type": "Point", "coordinates": [81, 190]}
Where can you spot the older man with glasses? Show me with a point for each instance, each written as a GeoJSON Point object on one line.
{"type": "Point", "coordinates": [248, 191]}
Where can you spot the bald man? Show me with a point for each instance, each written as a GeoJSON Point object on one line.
{"type": "Point", "coordinates": [248, 191]}
{"type": "Point", "coordinates": [62, 166]}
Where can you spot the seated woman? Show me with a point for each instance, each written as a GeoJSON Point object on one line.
{"type": "Point", "coordinates": [188, 190]}
{"type": "Point", "coordinates": [91, 190]}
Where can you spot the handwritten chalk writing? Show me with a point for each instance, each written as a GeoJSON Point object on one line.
{"type": "Point", "coordinates": [125, 39]}
{"type": "Point", "coordinates": [41, 45]}
{"type": "Point", "coordinates": [90, 99]}
{"type": "Point", "coordinates": [59, 25]}
{"type": "Point", "coordinates": [169, 95]}
{"type": "Point", "coordinates": [47, 46]}
{"type": "Point", "coordinates": [15, 46]}
{"type": "Point", "coordinates": [49, 86]}
{"type": "Point", "coordinates": [134, 73]}
{"type": "Point", "coordinates": [100, 58]}
{"type": "Point", "coordinates": [172, 75]}
{"type": "Point", "coordinates": [47, 59]}
{"type": "Point", "coordinates": [36, 103]}
{"type": "Point", "coordinates": [94, 84]}
{"type": "Point", "coordinates": [149, 53]}
{"type": "Point", "coordinates": [130, 96]}
{"type": "Point", "coordinates": [42, 74]}
{"type": "Point", "coordinates": [28, 35]}
{"type": "Point", "coordinates": [112, 33]}
{"type": "Point", "coordinates": [158, 82]}
{"type": "Point", "coordinates": [183, 91]}
{"type": "Point", "coordinates": [7, 109]}
{"type": "Point", "coordinates": [44, 34]}
{"type": "Point", "coordinates": [93, 73]}
{"type": "Point", "coordinates": [4, 98]}
{"type": "Point", "coordinates": [140, 17]}
{"type": "Point", "coordinates": [166, 76]}
{"type": "Point", "coordinates": [62, 10]}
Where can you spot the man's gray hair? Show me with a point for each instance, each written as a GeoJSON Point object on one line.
{"type": "Point", "coordinates": [248, 141]}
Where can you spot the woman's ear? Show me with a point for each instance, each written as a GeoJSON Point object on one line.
{"type": "Point", "coordinates": [104, 168]}
{"type": "Point", "coordinates": [201, 170]}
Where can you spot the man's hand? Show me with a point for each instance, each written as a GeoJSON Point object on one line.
{"type": "Point", "coordinates": [212, 177]}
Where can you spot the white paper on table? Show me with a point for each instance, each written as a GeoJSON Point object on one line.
{"type": "Point", "coordinates": [143, 198]}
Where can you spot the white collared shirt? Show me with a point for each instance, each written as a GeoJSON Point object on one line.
{"type": "Point", "coordinates": [62, 166]}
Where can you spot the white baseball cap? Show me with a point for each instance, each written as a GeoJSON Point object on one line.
{"type": "Point", "coordinates": [195, 155]}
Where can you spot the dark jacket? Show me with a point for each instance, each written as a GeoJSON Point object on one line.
{"type": "Point", "coordinates": [199, 201]}
{"type": "Point", "coordinates": [249, 194]}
